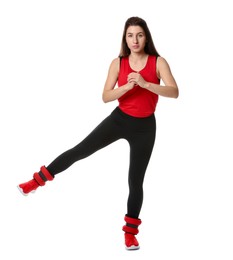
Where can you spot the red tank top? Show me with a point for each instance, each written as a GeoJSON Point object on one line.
{"type": "Point", "coordinates": [138, 102]}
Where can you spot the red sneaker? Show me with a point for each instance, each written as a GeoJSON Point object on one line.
{"type": "Point", "coordinates": [39, 179]}
{"type": "Point", "coordinates": [27, 187]}
{"type": "Point", "coordinates": [131, 230]}
{"type": "Point", "coordinates": [131, 242]}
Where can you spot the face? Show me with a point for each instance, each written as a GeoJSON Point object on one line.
{"type": "Point", "coordinates": [135, 38]}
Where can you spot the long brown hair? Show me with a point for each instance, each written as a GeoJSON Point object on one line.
{"type": "Point", "coordinates": [149, 47]}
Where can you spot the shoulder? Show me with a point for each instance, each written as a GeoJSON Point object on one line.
{"type": "Point", "coordinates": [161, 65]}
{"type": "Point", "coordinates": [162, 61]}
{"type": "Point", "coordinates": [114, 67]}
{"type": "Point", "coordinates": [115, 64]}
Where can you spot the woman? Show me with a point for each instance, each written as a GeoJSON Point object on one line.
{"type": "Point", "coordinates": [138, 71]}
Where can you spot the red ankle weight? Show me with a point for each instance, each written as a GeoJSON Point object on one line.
{"type": "Point", "coordinates": [130, 230]}
{"type": "Point", "coordinates": [46, 173]}
{"type": "Point", "coordinates": [133, 221]}
{"type": "Point", "coordinates": [42, 176]}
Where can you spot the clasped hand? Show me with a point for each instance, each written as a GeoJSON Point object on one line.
{"type": "Point", "coordinates": [137, 79]}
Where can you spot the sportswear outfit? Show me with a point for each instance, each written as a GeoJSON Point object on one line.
{"type": "Point", "coordinates": [132, 120]}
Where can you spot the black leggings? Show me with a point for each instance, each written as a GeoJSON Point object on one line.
{"type": "Point", "coordinates": [139, 132]}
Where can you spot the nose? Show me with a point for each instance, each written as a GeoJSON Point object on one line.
{"type": "Point", "coordinates": [135, 39]}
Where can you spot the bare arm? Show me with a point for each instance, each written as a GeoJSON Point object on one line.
{"type": "Point", "coordinates": [110, 93]}
{"type": "Point", "coordinates": [170, 88]}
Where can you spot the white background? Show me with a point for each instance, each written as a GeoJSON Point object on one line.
{"type": "Point", "coordinates": [54, 61]}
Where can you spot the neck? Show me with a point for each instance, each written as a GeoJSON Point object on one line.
{"type": "Point", "coordinates": [137, 56]}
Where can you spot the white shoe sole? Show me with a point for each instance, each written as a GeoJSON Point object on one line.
{"type": "Point", "coordinates": [24, 194]}
{"type": "Point", "coordinates": [132, 248]}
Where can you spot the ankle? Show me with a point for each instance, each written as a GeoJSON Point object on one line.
{"type": "Point", "coordinates": [39, 179]}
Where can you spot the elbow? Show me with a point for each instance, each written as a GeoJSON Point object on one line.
{"type": "Point", "coordinates": [104, 98]}
{"type": "Point", "coordinates": [176, 93]}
